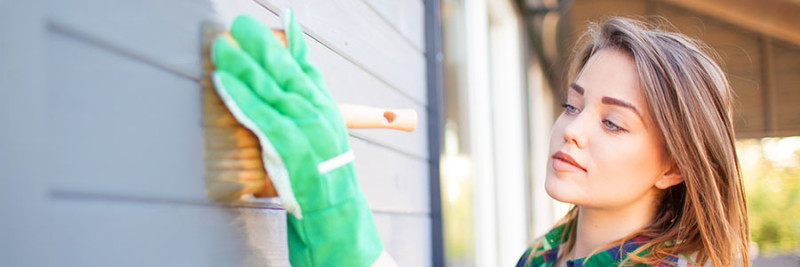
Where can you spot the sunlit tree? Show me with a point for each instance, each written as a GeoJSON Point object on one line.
{"type": "Point", "coordinates": [771, 170]}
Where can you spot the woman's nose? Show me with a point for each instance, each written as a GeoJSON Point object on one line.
{"type": "Point", "coordinates": [575, 131]}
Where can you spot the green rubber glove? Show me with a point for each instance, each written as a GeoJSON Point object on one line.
{"type": "Point", "coordinates": [282, 98]}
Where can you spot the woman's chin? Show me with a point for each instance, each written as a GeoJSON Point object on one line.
{"type": "Point", "coordinates": [558, 190]}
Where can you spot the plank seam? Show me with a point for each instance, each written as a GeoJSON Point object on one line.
{"type": "Point", "coordinates": [391, 25]}
{"type": "Point", "coordinates": [84, 195]}
{"type": "Point", "coordinates": [70, 32]}
{"type": "Point", "coordinates": [78, 195]}
{"type": "Point", "coordinates": [387, 147]}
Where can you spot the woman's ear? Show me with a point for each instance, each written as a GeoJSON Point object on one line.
{"type": "Point", "coordinates": [671, 176]}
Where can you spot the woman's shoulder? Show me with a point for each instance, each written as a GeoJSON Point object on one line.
{"type": "Point", "coordinates": [544, 253]}
{"type": "Point", "coordinates": [544, 249]}
{"type": "Point", "coordinates": [536, 258]}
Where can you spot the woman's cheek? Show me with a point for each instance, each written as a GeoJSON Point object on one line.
{"type": "Point", "coordinates": [611, 162]}
{"type": "Point", "coordinates": [628, 164]}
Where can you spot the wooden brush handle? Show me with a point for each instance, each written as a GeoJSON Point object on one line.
{"type": "Point", "coordinates": [357, 117]}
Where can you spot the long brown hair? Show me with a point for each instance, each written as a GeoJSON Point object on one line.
{"type": "Point", "coordinates": [687, 92]}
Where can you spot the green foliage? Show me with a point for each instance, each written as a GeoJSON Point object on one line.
{"type": "Point", "coordinates": [771, 170]}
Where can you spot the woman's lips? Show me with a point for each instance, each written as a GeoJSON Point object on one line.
{"type": "Point", "coordinates": [563, 162]}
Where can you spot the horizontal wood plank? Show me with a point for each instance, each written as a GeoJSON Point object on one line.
{"type": "Point", "coordinates": [406, 238]}
{"type": "Point", "coordinates": [92, 232]}
{"type": "Point", "coordinates": [390, 182]}
{"type": "Point", "coordinates": [169, 35]}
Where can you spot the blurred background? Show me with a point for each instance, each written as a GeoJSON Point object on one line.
{"type": "Point", "coordinates": [503, 76]}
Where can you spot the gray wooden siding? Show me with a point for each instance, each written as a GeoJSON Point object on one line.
{"type": "Point", "coordinates": [116, 128]}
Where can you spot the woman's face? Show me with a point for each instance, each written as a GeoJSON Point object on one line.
{"type": "Point", "coordinates": [605, 149]}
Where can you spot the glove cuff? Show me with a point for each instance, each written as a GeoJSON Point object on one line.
{"type": "Point", "coordinates": [342, 235]}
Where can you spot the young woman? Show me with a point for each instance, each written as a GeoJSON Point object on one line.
{"type": "Point", "coordinates": [645, 151]}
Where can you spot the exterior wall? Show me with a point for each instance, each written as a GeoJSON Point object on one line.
{"type": "Point", "coordinates": [105, 164]}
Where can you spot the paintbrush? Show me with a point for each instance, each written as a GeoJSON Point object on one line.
{"type": "Point", "coordinates": [233, 162]}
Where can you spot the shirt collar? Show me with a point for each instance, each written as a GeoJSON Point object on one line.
{"type": "Point", "coordinates": [552, 242]}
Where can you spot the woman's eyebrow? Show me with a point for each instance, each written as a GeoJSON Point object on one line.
{"type": "Point", "coordinates": [577, 88]}
{"type": "Point", "coordinates": [617, 102]}
{"type": "Point", "coordinates": [610, 101]}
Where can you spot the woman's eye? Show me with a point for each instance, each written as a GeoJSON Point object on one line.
{"type": "Point", "coordinates": [569, 109]}
{"type": "Point", "coordinates": [611, 126]}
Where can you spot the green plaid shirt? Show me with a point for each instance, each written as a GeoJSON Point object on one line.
{"type": "Point", "coordinates": [547, 253]}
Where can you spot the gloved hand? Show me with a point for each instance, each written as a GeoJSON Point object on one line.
{"type": "Point", "coordinates": [282, 98]}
